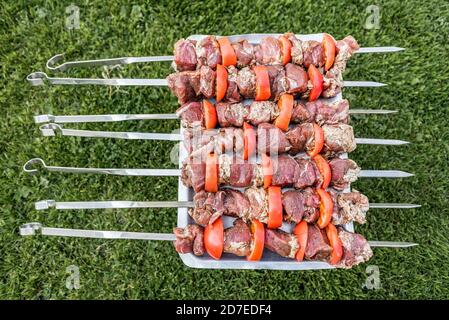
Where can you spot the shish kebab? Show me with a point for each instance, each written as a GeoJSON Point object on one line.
{"type": "Point", "coordinates": [255, 203]}
{"type": "Point", "coordinates": [192, 53]}
{"type": "Point", "coordinates": [334, 245]}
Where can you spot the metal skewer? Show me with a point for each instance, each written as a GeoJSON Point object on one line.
{"type": "Point", "coordinates": [75, 205]}
{"type": "Point", "coordinates": [32, 166]}
{"type": "Point", "coordinates": [40, 78]}
{"type": "Point", "coordinates": [33, 228]}
{"type": "Point", "coordinates": [49, 118]}
{"type": "Point", "coordinates": [51, 129]}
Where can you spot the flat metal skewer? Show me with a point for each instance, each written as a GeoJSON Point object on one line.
{"type": "Point", "coordinates": [33, 228]}
{"type": "Point", "coordinates": [32, 166]}
{"type": "Point", "coordinates": [51, 129]}
{"type": "Point", "coordinates": [49, 118]}
{"type": "Point", "coordinates": [53, 62]}
{"type": "Point", "coordinates": [75, 205]}
{"type": "Point", "coordinates": [41, 78]}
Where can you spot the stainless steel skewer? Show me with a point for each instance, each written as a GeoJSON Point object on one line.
{"type": "Point", "coordinates": [49, 118]}
{"type": "Point", "coordinates": [51, 129]}
{"type": "Point", "coordinates": [75, 205]}
{"type": "Point", "coordinates": [41, 78]}
{"type": "Point", "coordinates": [33, 165]}
{"type": "Point", "coordinates": [33, 228]}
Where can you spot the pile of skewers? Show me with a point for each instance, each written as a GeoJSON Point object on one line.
{"type": "Point", "coordinates": [277, 163]}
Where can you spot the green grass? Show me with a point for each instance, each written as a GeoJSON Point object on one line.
{"type": "Point", "coordinates": [35, 268]}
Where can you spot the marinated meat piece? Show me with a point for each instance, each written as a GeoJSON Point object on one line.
{"type": "Point", "coordinates": [237, 239]}
{"type": "Point", "coordinates": [301, 205]}
{"type": "Point", "coordinates": [231, 114]}
{"type": "Point", "coordinates": [313, 53]}
{"type": "Point", "coordinates": [301, 138]}
{"type": "Point", "coordinates": [303, 113]}
{"type": "Point", "coordinates": [356, 249]}
{"type": "Point", "coordinates": [242, 174]}
{"type": "Point", "coordinates": [331, 113]}
{"type": "Point", "coordinates": [208, 207]}
{"type": "Point", "coordinates": [185, 55]}
{"type": "Point", "coordinates": [285, 171]}
{"type": "Point", "coordinates": [229, 140]}
{"type": "Point", "coordinates": [191, 114]}
{"type": "Point", "coordinates": [246, 82]}
{"type": "Point", "coordinates": [258, 200]}
{"type": "Point", "coordinates": [271, 140]}
{"type": "Point", "coordinates": [318, 247]}
{"type": "Point", "coordinates": [296, 77]}
{"type": "Point", "coordinates": [224, 169]}
{"type": "Point", "coordinates": [307, 175]}
{"type": "Point", "coordinates": [193, 175]}
{"type": "Point", "coordinates": [345, 49]}
{"type": "Point", "coordinates": [348, 207]}
{"type": "Point", "coordinates": [207, 81]}
{"type": "Point", "coordinates": [338, 138]}
{"type": "Point", "coordinates": [244, 52]}
{"type": "Point", "coordinates": [270, 48]}
{"type": "Point", "coordinates": [189, 239]}
{"type": "Point", "coordinates": [344, 171]}
{"type": "Point", "coordinates": [208, 52]}
{"type": "Point", "coordinates": [232, 93]}
{"type": "Point", "coordinates": [184, 85]}
{"type": "Point", "coordinates": [281, 242]}
{"type": "Point", "coordinates": [262, 111]}
{"type": "Point", "coordinates": [236, 204]}
{"type": "Point", "coordinates": [278, 81]}
{"type": "Point", "coordinates": [332, 84]}
{"type": "Point", "coordinates": [296, 52]}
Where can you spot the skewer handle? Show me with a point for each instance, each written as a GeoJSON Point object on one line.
{"type": "Point", "coordinates": [46, 118]}
{"type": "Point", "coordinates": [46, 204]}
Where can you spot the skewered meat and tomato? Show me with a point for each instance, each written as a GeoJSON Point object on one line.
{"type": "Point", "coordinates": [297, 206]}
{"type": "Point", "coordinates": [329, 140]}
{"type": "Point", "coordinates": [335, 245]}
{"type": "Point", "coordinates": [212, 51]}
{"type": "Point", "coordinates": [282, 171]}
{"type": "Point", "coordinates": [228, 114]}
{"type": "Point", "coordinates": [259, 83]}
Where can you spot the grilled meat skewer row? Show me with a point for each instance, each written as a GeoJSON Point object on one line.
{"type": "Point", "coordinates": [335, 245]}
{"type": "Point", "coordinates": [190, 55]}
{"type": "Point", "coordinates": [282, 171]}
{"type": "Point", "coordinates": [329, 140]}
{"type": "Point", "coordinates": [260, 83]}
{"type": "Point", "coordinates": [227, 114]}
{"type": "Point", "coordinates": [296, 206]}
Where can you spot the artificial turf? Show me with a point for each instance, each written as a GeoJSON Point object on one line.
{"type": "Point", "coordinates": [35, 268]}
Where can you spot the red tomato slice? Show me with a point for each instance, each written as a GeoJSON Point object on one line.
{"type": "Point", "coordinates": [274, 207]}
{"type": "Point", "coordinates": [214, 239]}
{"type": "Point", "coordinates": [258, 232]}
{"type": "Point", "coordinates": [222, 82]}
{"type": "Point", "coordinates": [263, 91]}
{"type": "Point", "coordinates": [267, 170]}
{"type": "Point", "coordinates": [319, 140]}
{"type": "Point", "coordinates": [317, 81]}
{"type": "Point", "coordinates": [286, 47]}
{"type": "Point", "coordinates": [301, 232]}
{"type": "Point", "coordinates": [211, 183]}
{"type": "Point", "coordinates": [335, 242]}
{"type": "Point", "coordinates": [210, 115]}
{"type": "Point", "coordinates": [325, 170]}
{"type": "Point", "coordinates": [285, 104]}
{"type": "Point", "coordinates": [326, 208]}
{"type": "Point", "coordinates": [249, 139]}
{"type": "Point", "coordinates": [329, 51]}
{"type": "Point", "coordinates": [228, 56]}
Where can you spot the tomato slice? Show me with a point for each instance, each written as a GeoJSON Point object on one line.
{"type": "Point", "coordinates": [286, 47]}
{"type": "Point", "coordinates": [222, 82]}
{"type": "Point", "coordinates": [285, 104]}
{"type": "Point", "coordinates": [258, 231]}
{"type": "Point", "coordinates": [214, 239]}
{"type": "Point", "coordinates": [325, 170]}
{"type": "Point", "coordinates": [317, 81]}
{"type": "Point", "coordinates": [326, 208]}
{"type": "Point", "coordinates": [301, 232]}
{"type": "Point", "coordinates": [335, 242]}
{"type": "Point", "coordinates": [211, 183]}
{"type": "Point", "coordinates": [267, 170]}
{"type": "Point", "coordinates": [319, 140]}
{"type": "Point", "coordinates": [228, 56]}
{"type": "Point", "coordinates": [263, 91]}
{"type": "Point", "coordinates": [274, 207]}
{"type": "Point", "coordinates": [249, 140]}
{"type": "Point", "coordinates": [329, 51]}
{"type": "Point", "coordinates": [210, 114]}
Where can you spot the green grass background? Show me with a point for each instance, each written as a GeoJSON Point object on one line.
{"type": "Point", "coordinates": [35, 268]}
